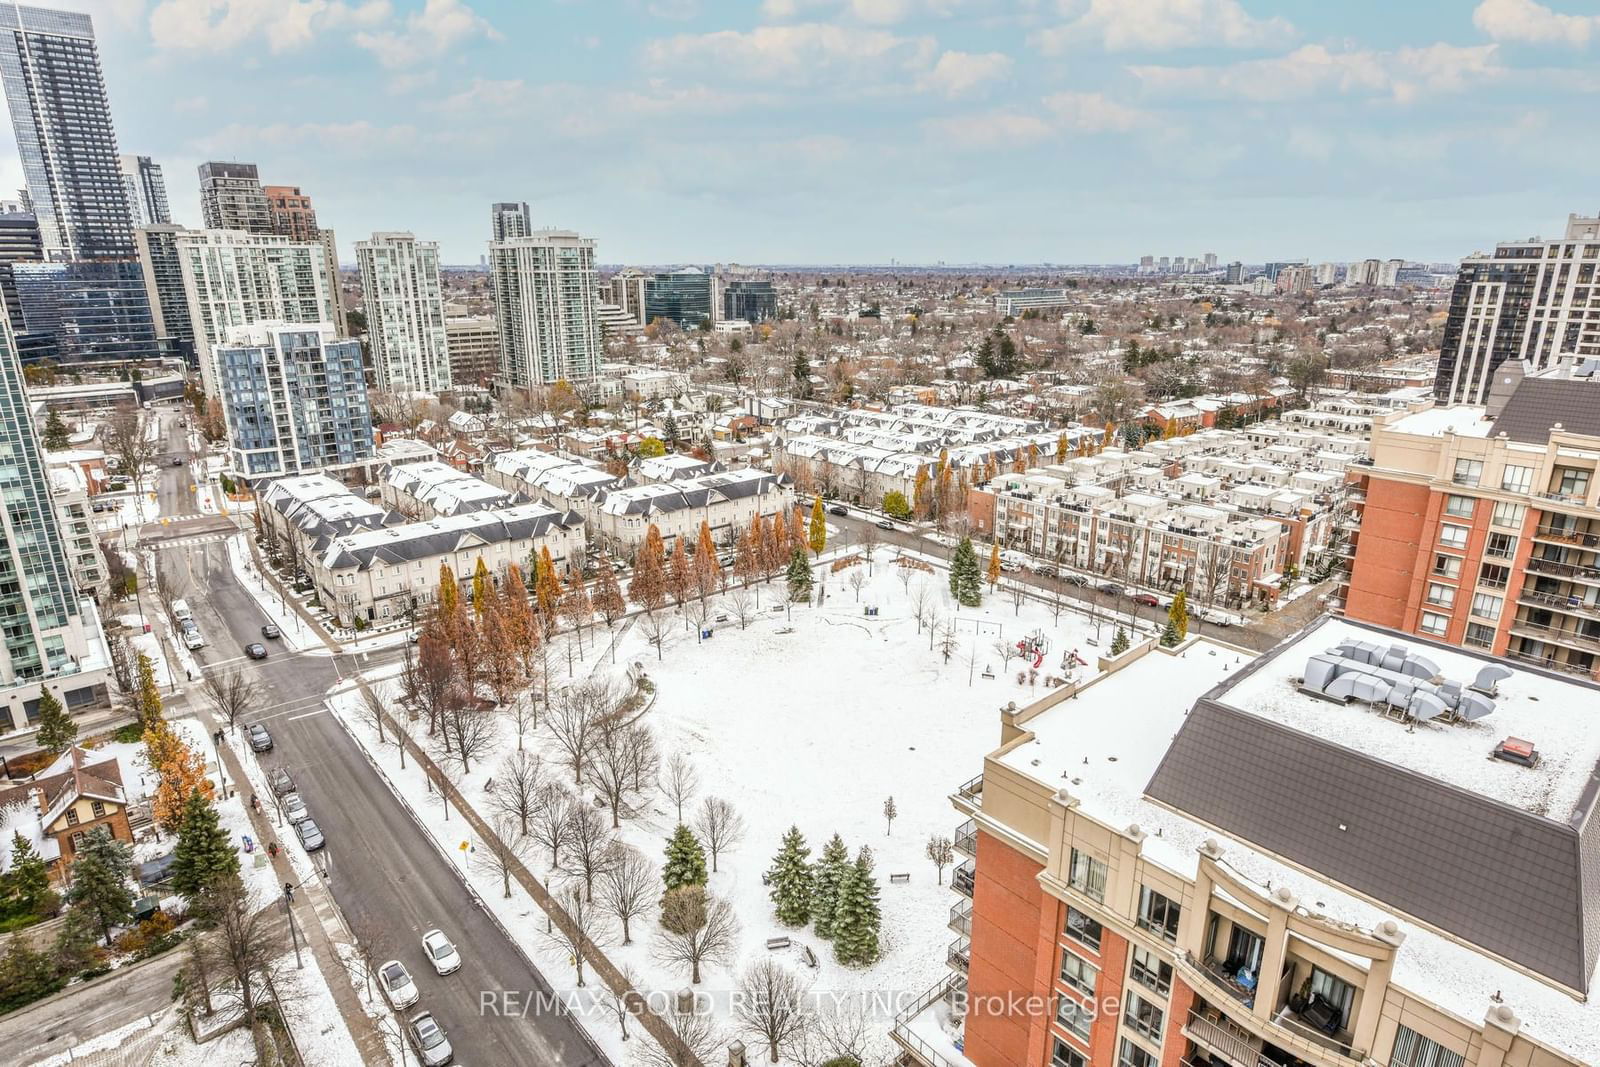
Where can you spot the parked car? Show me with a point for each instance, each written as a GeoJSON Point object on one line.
{"type": "Point", "coordinates": [256, 650]}
{"type": "Point", "coordinates": [192, 639]}
{"type": "Point", "coordinates": [271, 631]}
{"type": "Point", "coordinates": [441, 953]}
{"type": "Point", "coordinates": [884, 524]}
{"type": "Point", "coordinates": [176, 461]}
{"type": "Point", "coordinates": [260, 739]}
{"type": "Point", "coordinates": [280, 780]}
{"type": "Point", "coordinates": [294, 809]}
{"type": "Point", "coordinates": [1149, 600]}
{"type": "Point", "coordinates": [1111, 588]}
{"type": "Point", "coordinates": [1215, 617]}
{"type": "Point", "coordinates": [1044, 570]}
{"type": "Point", "coordinates": [838, 509]}
{"type": "Point", "coordinates": [428, 1038]}
{"type": "Point", "coordinates": [180, 610]}
{"type": "Point", "coordinates": [398, 988]}
{"type": "Point", "coordinates": [310, 834]}
{"type": "Point", "coordinates": [1076, 579]}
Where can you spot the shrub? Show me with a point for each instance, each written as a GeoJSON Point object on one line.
{"type": "Point", "coordinates": [153, 936]}
{"type": "Point", "coordinates": [128, 734]}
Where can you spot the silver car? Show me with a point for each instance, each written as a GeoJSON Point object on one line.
{"type": "Point", "coordinates": [294, 809]}
{"type": "Point", "coordinates": [427, 1037]}
{"type": "Point", "coordinates": [310, 835]}
{"type": "Point", "coordinates": [398, 988]}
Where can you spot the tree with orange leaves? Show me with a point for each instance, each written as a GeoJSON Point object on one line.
{"type": "Point", "coordinates": [576, 606]}
{"type": "Point", "coordinates": [775, 545]}
{"type": "Point", "coordinates": [708, 576]}
{"type": "Point", "coordinates": [546, 589]}
{"type": "Point", "coordinates": [521, 629]}
{"type": "Point", "coordinates": [501, 667]}
{"type": "Point", "coordinates": [747, 554]}
{"type": "Point", "coordinates": [680, 576]}
{"type": "Point", "coordinates": [607, 597]}
{"type": "Point", "coordinates": [797, 530]}
{"type": "Point", "coordinates": [179, 770]}
{"type": "Point", "coordinates": [648, 588]}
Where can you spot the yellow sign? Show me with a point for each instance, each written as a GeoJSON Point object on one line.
{"type": "Point", "coordinates": [465, 845]}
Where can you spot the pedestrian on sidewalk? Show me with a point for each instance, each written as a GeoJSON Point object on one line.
{"type": "Point", "coordinates": [255, 805]}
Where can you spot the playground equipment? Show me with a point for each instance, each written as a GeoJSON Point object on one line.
{"type": "Point", "coordinates": [1071, 660]}
{"type": "Point", "coordinates": [1036, 645]}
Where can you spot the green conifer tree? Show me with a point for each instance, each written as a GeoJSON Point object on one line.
{"type": "Point", "coordinates": [26, 975]}
{"type": "Point", "coordinates": [57, 731]}
{"type": "Point", "coordinates": [204, 854]}
{"type": "Point", "coordinates": [686, 860]}
{"type": "Point", "coordinates": [966, 578]}
{"type": "Point", "coordinates": [55, 436]}
{"type": "Point", "coordinates": [827, 873]}
{"type": "Point", "coordinates": [856, 917]}
{"type": "Point", "coordinates": [1169, 635]}
{"type": "Point", "coordinates": [100, 880]}
{"type": "Point", "coordinates": [799, 576]}
{"type": "Point", "coordinates": [1119, 642]}
{"type": "Point", "coordinates": [27, 883]}
{"type": "Point", "coordinates": [790, 879]}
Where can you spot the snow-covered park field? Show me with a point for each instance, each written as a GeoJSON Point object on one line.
{"type": "Point", "coordinates": [810, 717]}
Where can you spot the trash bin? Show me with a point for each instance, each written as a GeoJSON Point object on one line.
{"type": "Point", "coordinates": [705, 635]}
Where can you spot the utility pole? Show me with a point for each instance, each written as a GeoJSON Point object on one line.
{"type": "Point", "coordinates": [288, 899]}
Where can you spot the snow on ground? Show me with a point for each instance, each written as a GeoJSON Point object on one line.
{"type": "Point", "coordinates": [813, 717]}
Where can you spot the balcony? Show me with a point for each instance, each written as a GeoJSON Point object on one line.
{"type": "Point", "coordinates": [1563, 536]}
{"type": "Point", "coordinates": [966, 841]}
{"type": "Point", "coordinates": [958, 955]}
{"type": "Point", "coordinates": [920, 1029]}
{"type": "Point", "coordinates": [963, 878]}
{"type": "Point", "coordinates": [1234, 1044]}
{"type": "Point", "coordinates": [1549, 663]}
{"type": "Point", "coordinates": [1563, 570]}
{"type": "Point", "coordinates": [1562, 498]}
{"type": "Point", "coordinates": [961, 917]}
{"type": "Point", "coordinates": [1569, 638]}
{"type": "Point", "coordinates": [1571, 605]}
{"type": "Point", "coordinates": [972, 789]}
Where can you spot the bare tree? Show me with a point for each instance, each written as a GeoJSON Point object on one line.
{"type": "Point", "coordinates": [503, 851]}
{"type": "Point", "coordinates": [575, 720]}
{"type": "Point", "coordinates": [243, 948]}
{"type": "Point", "coordinates": [696, 1037]}
{"type": "Point", "coordinates": [373, 713]}
{"type": "Point", "coordinates": [770, 1005]}
{"type": "Point", "coordinates": [370, 940]}
{"type": "Point", "coordinates": [169, 586]}
{"type": "Point", "coordinates": [620, 756]}
{"type": "Point", "coordinates": [620, 1001]}
{"type": "Point", "coordinates": [1005, 650]}
{"type": "Point", "coordinates": [523, 711]}
{"type": "Point", "coordinates": [948, 643]}
{"type": "Point", "coordinates": [680, 781]}
{"type": "Point", "coordinates": [465, 734]}
{"type": "Point", "coordinates": [548, 826]}
{"type": "Point", "coordinates": [743, 607]}
{"type": "Point", "coordinates": [857, 579]}
{"type": "Point", "coordinates": [1018, 593]}
{"type": "Point", "coordinates": [629, 887]}
{"type": "Point", "coordinates": [518, 789]}
{"type": "Point", "coordinates": [720, 825]}
{"type": "Point", "coordinates": [842, 1034]}
{"type": "Point", "coordinates": [655, 628]}
{"type": "Point", "coordinates": [442, 779]}
{"type": "Point", "coordinates": [869, 540]}
{"type": "Point", "coordinates": [583, 933]}
{"type": "Point", "coordinates": [972, 661]}
{"type": "Point", "coordinates": [923, 602]}
{"type": "Point", "coordinates": [941, 852]}
{"type": "Point", "coordinates": [696, 929]}
{"type": "Point", "coordinates": [591, 844]}
{"type": "Point", "coordinates": [125, 439]}
{"type": "Point", "coordinates": [890, 813]}
{"type": "Point", "coordinates": [231, 693]}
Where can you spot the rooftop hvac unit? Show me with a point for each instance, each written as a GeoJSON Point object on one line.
{"type": "Point", "coordinates": [1516, 750]}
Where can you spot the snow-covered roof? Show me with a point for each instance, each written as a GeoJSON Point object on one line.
{"type": "Point", "coordinates": [443, 488]}
{"type": "Point", "coordinates": [424, 540]}
{"type": "Point", "coordinates": [708, 489]}
{"type": "Point", "coordinates": [1465, 420]}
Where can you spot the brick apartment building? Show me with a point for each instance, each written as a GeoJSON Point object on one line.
{"type": "Point", "coordinates": [1480, 525]}
{"type": "Point", "coordinates": [1199, 860]}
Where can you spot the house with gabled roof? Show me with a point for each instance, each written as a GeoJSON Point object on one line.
{"type": "Point", "coordinates": [59, 808]}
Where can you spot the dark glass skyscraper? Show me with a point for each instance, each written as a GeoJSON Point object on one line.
{"type": "Point", "coordinates": [684, 296]}
{"type": "Point", "coordinates": [50, 68]}
{"type": "Point", "coordinates": [95, 312]}
{"type": "Point", "coordinates": [752, 301]}
{"type": "Point", "coordinates": [19, 243]}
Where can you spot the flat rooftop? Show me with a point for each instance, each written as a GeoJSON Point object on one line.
{"type": "Point", "coordinates": [1466, 420]}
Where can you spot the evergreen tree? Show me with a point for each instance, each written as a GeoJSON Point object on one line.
{"type": "Point", "coordinates": [686, 860]}
{"type": "Point", "coordinates": [1005, 360]}
{"type": "Point", "coordinates": [799, 576]}
{"type": "Point", "coordinates": [1178, 614]}
{"type": "Point", "coordinates": [27, 883]}
{"type": "Point", "coordinates": [966, 580]}
{"type": "Point", "coordinates": [1169, 635]}
{"type": "Point", "coordinates": [26, 975]}
{"type": "Point", "coordinates": [826, 875]}
{"type": "Point", "coordinates": [57, 732]}
{"type": "Point", "coordinates": [790, 879]}
{"type": "Point", "coordinates": [204, 854]}
{"type": "Point", "coordinates": [55, 436]}
{"type": "Point", "coordinates": [801, 369]}
{"type": "Point", "coordinates": [985, 358]}
{"type": "Point", "coordinates": [856, 917]}
{"type": "Point", "coordinates": [1119, 642]}
{"type": "Point", "coordinates": [817, 532]}
{"type": "Point", "coordinates": [100, 880]}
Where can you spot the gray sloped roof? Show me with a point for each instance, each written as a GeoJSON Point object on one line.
{"type": "Point", "coordinates": [1537, 404]}
{"type": "Point", "coordinates": [1522, 886]}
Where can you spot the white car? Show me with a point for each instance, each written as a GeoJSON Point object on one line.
{"type": "Point", "coordinates": [294, 809]}
{"type": "Point", "coordinates": [192, 639]}
{"type": "Point", "coordinates": [398, 988]}
{"type": "Point", "coordinates": [441, 953]}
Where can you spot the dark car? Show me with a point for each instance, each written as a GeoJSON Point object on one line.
{"type": "Point", "coordinates": [271, 631]}
{"type": "Point", "coordinates": [260, 739]}
{"type": "Point", "coordinates": [1110, 587]}
{"type": "Point", "coordinates": [1076, 579]}
{"type": "Point", "coordinates": [176, 461]}
{"type": "Point", "coordinates": [255, 650]}
{"type": "Point", "coordinates": [838, 509]}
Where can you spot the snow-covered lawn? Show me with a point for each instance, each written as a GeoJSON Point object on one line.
{"type": "Point", "coordinates": [813, 718]}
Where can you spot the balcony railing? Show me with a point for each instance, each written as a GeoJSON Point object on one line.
{"type": "Point", "coordinates": [909, 1041]}
{"type": "Point", "coordinates": [1549, 663]}
{"type": "Point", "coordinates": [1571, 605]}
{"type": "Point", "coordinates": [1562, 498]}
{"type": "Point", "coordinates": [966, 841]}
{"type": "Point", "coordinates": [1571, 638]}
{"type": "Point", "coordinates": [1238, 1047]}
{"type": "Point", "coordinates": [961, 917]}
{"type": "Point", "coordinates": [1566, 537]}
{"type": "Point", "coordinates": [1563, 570]}
{"type": "Point", "coordinates": [971, 790]}
{"type": "Point", "coordinates": [959, 954]}
{"type": "Point", "coordinates": [963, 878]}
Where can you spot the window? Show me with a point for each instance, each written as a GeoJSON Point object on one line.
{"type": "Point", "coordinates": [1447, 566]}
{"type": "Point", "coordinates": [1143, 1017]}
{"type": "Point", "coordinates": [1411, 1049]}
{"type": "Point", "coordinates": [1158, 914]}
{"type": "Point", "coordinates": [1500, 546]}
{"type": "Point", "coordinates": [1082, 928]}
{"type": "Point", "coordinates": [1458, 506]}
{"type": "Point", "coordinates": [1441, 595]}
{"type": "Point", "coordinates": [1335, 991]}
{"type": "Point", "coordinates": [1079, 973]}
{"type": "Point", "coordinates": [1572, 481]}
{"type": "Point", "coordinates": [1131, 1055]}
{"type": "Point", "coordinates": [1087, 875]}
{"type": "Point", "coordinates": [1486, 606]}
{"type": "Point", "coordinates": [1508, 515]}
{"type": "Point", "coordinates": [1479, 635]}
{"type": "Point", "coordinates": [1468, 471]}
{"type": "Point", "coordinates": [1514, 479]}
{"type": "Point", "coordinates": [1494, 576]}
{"type": "Point", "coordinates": [99, 808]}
{"type": "Point", "coordinates": [1066, 1056]}
{"type": "Point", "coordinates": [1151, 971]}
{"type": "Point", "coordinates": [1433, 623]}
{"type": "Point", "coordinates": [72, 816]}
{"type": "Point", "coordinates": [1075, 1018]}
{"type": "Point", "coordinates": [1452, 536]}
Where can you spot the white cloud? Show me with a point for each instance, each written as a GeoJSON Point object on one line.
{"type": "Point", "coordinates": [956, 73]}
{"type": "Point", "coordinates": [1159, 25]}
{"type": "Point", "coordinates": [803, 53]}
{"type": "Point", "coordinates": [1403, 74]}
{"type": "Point", "coordinates": [222, 25]}
{"type": "Point", "coordinates": [440, 26]}
{"type": "Point", "coordinates": [1532, 23]}
{"type": "Point", "coordinates": [996, 129]}
{"type": "Point", "coordinates": [1093, 113]}
{"type": "Point", "coordinates": [875, 12]}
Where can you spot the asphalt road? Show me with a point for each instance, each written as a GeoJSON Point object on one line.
{"type": "Point", "coordinates": [385, 877]}
{"type": "Point", "coordinates": [87, 1011]}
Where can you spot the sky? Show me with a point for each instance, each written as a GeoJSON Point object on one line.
{"type": "Point", "coordinates": [871, 131]}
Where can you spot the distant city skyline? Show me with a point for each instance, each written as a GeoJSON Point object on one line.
{"type": "Point", "coordinates": [863, 131]}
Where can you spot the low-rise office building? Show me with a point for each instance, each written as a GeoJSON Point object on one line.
{"type": "Point", "coordinates": [1336, 855]}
